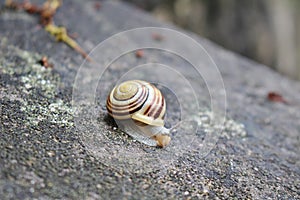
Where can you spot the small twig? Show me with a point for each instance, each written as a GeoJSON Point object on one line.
{"type": "Point", "coordinates": [60, 34]}
{"type": "Point", "coordinates": [46, 12]}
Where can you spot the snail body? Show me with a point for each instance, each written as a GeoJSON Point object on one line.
{"type": "Point", "coordinates": [140, 108]}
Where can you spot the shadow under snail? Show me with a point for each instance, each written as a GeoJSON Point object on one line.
{"type": "Point", "coordinates": [140, 108]}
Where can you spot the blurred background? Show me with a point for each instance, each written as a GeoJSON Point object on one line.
{"type": "Point", "coordinates": [267, 31]}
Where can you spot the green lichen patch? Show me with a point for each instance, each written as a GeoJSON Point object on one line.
{"type": "Point", "coordinates": [34, 86]}
{"type": "Point", "coordinates": [229, 129]}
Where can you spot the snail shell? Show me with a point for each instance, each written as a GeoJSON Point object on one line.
{"type": "Point", "coordinates": [140, 107]}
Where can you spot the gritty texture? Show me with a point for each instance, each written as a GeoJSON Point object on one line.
{"type": "Point", "coordinates": [43, 155]}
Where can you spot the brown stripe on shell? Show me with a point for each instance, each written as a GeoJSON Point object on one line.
{"type": "Point", "coordinates": [153, 101]}
{"type": "Point", "coordinates": [116, 114]}
{"type": "Point", "coordinates": [143, 97]}
{"type": "Point", "coordinates": [126, 110]}
{"type": "Point", "coordinates": [155, 104]}
{"type": "Point", "coordinates": [158, 112]}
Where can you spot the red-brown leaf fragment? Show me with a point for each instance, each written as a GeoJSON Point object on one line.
{"type": "Point", "coordinates": [275, 97]}
{"type": "Point", "coordinates": [139, 53]}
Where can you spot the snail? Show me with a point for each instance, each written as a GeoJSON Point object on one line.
{"type": "Point", "coordinates": [140, 108]}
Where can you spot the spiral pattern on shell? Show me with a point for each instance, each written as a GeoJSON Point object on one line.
{"type": "Point", "coordinates": [138, 100]}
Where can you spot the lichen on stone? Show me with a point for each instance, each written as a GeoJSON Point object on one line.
{"type": "Point", "coordinates": [229, 129]}
{"type": "Point", "coordinates": [36, 88]}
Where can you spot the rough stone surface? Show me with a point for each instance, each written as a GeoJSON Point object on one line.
{"type": "Point", "coordinates": [43, 156]}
